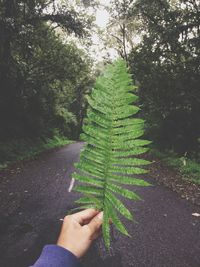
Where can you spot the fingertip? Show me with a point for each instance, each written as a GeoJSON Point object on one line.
{"type": "Point", "coordinates": [100, 215]}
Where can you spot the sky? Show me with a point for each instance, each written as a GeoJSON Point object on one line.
{"type": "Point", "coordinates": [102, 15]}
{"type": "Point", "coordinates": [97, 49]}
{"type": "Point", "coordinates": [102, 18]}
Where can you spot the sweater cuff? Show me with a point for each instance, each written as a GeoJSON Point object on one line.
{"type": "Point", "coordinates": [56, 256]}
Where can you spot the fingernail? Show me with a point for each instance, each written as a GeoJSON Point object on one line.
{"type": "Point", "coordinates": [100, 215]}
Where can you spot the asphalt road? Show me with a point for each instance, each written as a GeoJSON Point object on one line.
{"type": "Point", "coordinates": [35, 197]}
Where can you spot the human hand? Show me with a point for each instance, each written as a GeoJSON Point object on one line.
{"type": "Point", "coordinates": [79, 230]}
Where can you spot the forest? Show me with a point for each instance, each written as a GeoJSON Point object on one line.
{"type": "Point", "coordinates": [46, 70]}
{"type": "Point", "coordinates": [66, 72]}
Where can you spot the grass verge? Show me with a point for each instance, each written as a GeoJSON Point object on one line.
{"type": "Point", "coordinates": [189, 168]}
{"type": "Point", "coordinates": [17, 150]}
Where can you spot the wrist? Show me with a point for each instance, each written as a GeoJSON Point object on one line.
{"type": "Point", "coordinates": [70, 248]}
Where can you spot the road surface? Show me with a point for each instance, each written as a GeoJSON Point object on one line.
{"type": "Point", "coordinates": [35, 198]}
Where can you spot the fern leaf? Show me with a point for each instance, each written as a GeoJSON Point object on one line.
{"type": "Point", "coordinates": [128, 180]}
{"type": "Point", "coordinates": [127, 170]}
{"type": "Point", "coordinates": [88, 190]}
{"type": "Point", "coordinates": [131, 162]}
{"type": "Point", "coordinates": [109, 157]}
{"type": "Point", "coordinates": [106, 226]}
{"type": "Point", "coordinates": [122, 191]}
{"type": "Point", "coordinates": [133, 152]}
{"type": "Point", "coordinates": [90, 200]}
{"type": "Point", "coordinates": [115, 219]}
{"type": "Point", "coordinates": [88, 180]}
{"type": "Point", "coordinates": [119, 205]}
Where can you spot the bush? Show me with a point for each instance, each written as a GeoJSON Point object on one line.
{"type": "Point", "coordinates": [15, 150]}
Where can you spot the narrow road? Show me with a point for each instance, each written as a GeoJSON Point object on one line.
{"type": "Point", "coordinates": [34, 199]}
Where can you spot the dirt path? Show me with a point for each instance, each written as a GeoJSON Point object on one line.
{"type": "Point", "coordinates": [34, 199]}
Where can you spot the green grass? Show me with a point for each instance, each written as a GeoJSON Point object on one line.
{"type": "Point", "coordinates": [189, 168]}
{"type": "Point", "coordinates": [16, 150]}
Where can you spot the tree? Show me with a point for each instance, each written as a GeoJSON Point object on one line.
{"type": "Point", "coordinates": [39, 73]}
{"type": "Point", "coordinates": [166, 65]}
{"type": "Point", "coordinates": [122, 27]}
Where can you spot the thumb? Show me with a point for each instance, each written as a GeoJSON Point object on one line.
{"type": "Point", "coordinates": [96, 223]}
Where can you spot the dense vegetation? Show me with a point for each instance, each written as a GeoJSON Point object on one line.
{"type": "Point", "coordinates": [167, 65]}
{"type": "Point", "coordinates": [44, 76]}
{"type": "Point", "coordinates": [43, 79]}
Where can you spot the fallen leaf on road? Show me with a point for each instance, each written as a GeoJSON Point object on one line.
{"type": "Point", "coordinates": [71, 185]}
{"type": "Point", "coordinates": [196, 214]}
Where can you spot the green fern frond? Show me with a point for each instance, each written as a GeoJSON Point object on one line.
{"type": "Point", "coordinates": [106, 160]}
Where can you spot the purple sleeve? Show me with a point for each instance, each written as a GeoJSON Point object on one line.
{"type": "Point", "coordinates": [56, 256]}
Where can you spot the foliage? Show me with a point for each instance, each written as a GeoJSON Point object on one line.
{"type": "Point", "coordinates": [16, 150]}
{"type": "Point", "coordinates": [160, 40]}
{"type": "Point", "coordinates": [112, 139]}
{"type": "Point", "coordinates": [122, 27]}
{"type": "Point", "coordinates": [189, 168]}
{"type": "Point", "coordinates": [40, 74]}
{"type": "Point", "coordinates": [166, 66]}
